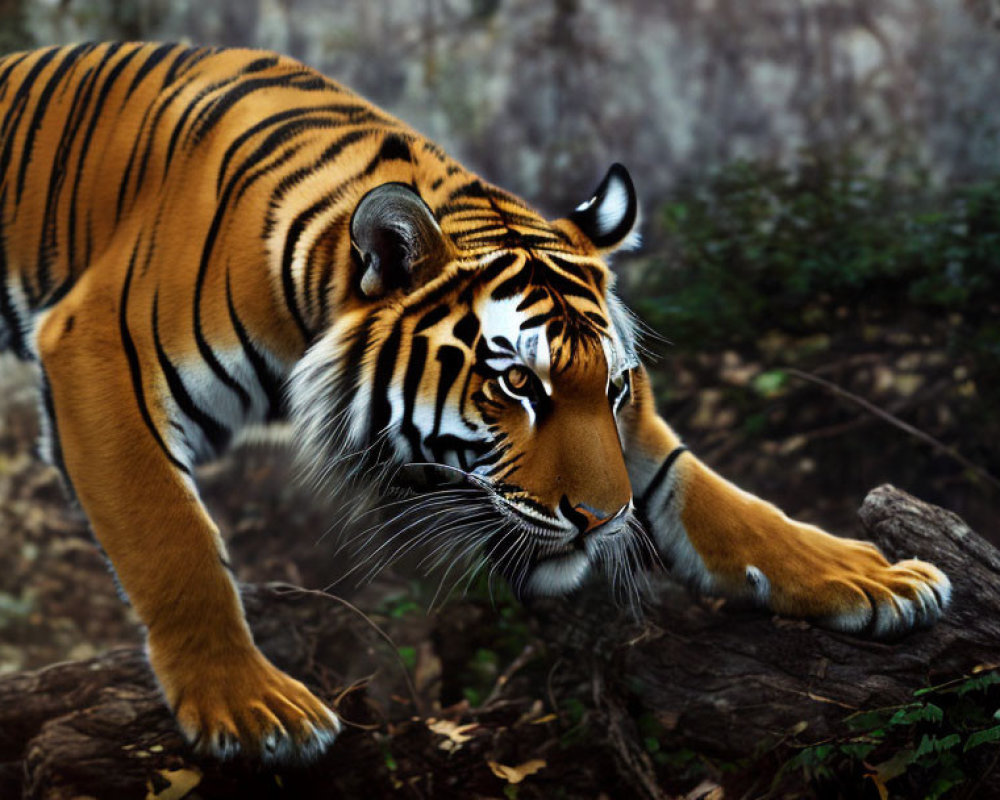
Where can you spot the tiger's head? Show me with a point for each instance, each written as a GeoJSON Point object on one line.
{"type": "Point", "coordinates": [483, 360]}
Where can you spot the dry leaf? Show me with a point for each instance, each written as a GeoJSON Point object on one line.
{"type": "Point", "coordinates": [518, 773]}
{"type": "Point", "coordinates": [457, 734]}
{"type": "Point", "coordinates": [706, 790]}
{"type": "Point", "coordinates": [883, 790]}
{"type": "Point", "coordinates": [180, 783]}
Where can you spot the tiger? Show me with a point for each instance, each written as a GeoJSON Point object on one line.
{"type": "Point", "coordinates": [194, 240]}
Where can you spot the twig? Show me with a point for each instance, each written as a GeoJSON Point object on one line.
{"type": "Point", "coordinates": [529, 652]}
{"type": "Point", "coordinates": [937, 444]}
{"type": "Point", "coordinates": [293, 590]}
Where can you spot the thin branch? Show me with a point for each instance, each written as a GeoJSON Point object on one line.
{"type": "Point", "coordinates": [297, 590]}
{"type": "Point", "coordinates": [882, 414]}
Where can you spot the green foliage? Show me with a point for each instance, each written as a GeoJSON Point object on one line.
{"type": "Point", "coordinates": [824, 248]}
{"type": "Point", "coordinates": [757, 240]}
{"type": "Point", "coordinates": [925, 748]}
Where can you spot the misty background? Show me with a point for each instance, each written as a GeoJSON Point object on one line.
{"type": "Point", "coordinates": [819, 182]}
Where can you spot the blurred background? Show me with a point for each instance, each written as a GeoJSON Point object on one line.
{"type": "Point", "coordinates": [820, 180]}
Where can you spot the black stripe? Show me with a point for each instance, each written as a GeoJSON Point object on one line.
{"type": "Point", "coordinates": [473, 188]}
{"type": "Point", "coordinates": [566, 287]}
{"type": "Point", "coordinates": [394, 148]}
{"type": "Point", "coordinates": [298, 225]}
{"type": "Point", "coordinates": [431, 318]}
{"type": "Point", "coordinates": [497, 267]}
{"type": "Point", "coordinates": [260, 64]}
{"type": "Point", "coordinates": [253, 177]}
{"type": "Point", "coordinates": [135, 369]}
{"type": "Point", "coordinates": [537, 320]}
{"type": "Point", "coordinates": [84, 149]}
{"type": "Point", "coordinates": [175, 67]}
{"type": "Point", "coordinates": [514, 285]}
{"type": "Point", "coordinates": [268, 379]}
{"type": "Point", "coordinates": [331, 152]}
{"type": "Point", "coordinates": [47, 245]}
{"type": "Point", "coordinates": [211, 116]}
{"type": "Point", "coordinates": [451, 359]}
{"type": "Point", "coordinates": [206, 253]}
{"type": "Point", "coordinates": [411, 383]}
{"type": "Point", "coordinates": [5, 75]}
{"type": "Point", "coordinates": [354, 361]}
{"type": "Point", "coordinates": [252, 131]}
{"type": "Point", "coordinates": [42, 101]}
{"type": "Point", "coordinates": [385, 366]}
{"type": "Point", "coordinates": [534, 296]}
{"type": "Point", "coordinates": [18, 105]}
{"type": "Point", "coordinates": [123, 184]}
{"type": "Point", "coordinates": [661, 473]}
{"type": "Point", "coordinates": [208, 355]}
{"type": "Point", "coordinates": [480, 231]}
{"type": "Point", "coordinates": [148, 65]}
{"type": "Point", "coordinates": [217, 435]}
{"type": "Point", "coordinates": [302, 119]}
{"type": "Point", "coordinates": [443, 292]}
{"type": "Point", "coordinates": [467, 329]}
{"type": "Point", "coordinates": [154, 124]}
{"type": "Point", "coordinates": [288, 256]}
{"type": "Point", "coordinates": [12, 119]}
{"type": "Point", "coordinates": [586, 273]}
{"type": "Point", "coordinates": [7, 310]}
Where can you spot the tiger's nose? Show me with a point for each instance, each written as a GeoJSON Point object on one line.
{"type": "Point", "coordinates": [587, 518]}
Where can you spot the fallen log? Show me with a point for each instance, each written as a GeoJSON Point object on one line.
{"type": "Point", "coordinates": [728, 683]}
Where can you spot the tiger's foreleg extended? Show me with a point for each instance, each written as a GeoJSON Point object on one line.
{"type": "Point", "coordinates": [721, 539]}
{"type": "Point", "coordinates": [113, 426]}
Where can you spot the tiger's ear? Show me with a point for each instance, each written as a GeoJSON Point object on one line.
{"type": "Point", "coordinates": [609, 217]}
{"type": "Point", "coordinates": [396, 238]}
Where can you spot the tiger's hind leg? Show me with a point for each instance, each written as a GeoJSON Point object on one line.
{"type": "Point", "coordinates": [722, 539]}
{"type": "Point", "coordinates": [145, 512]}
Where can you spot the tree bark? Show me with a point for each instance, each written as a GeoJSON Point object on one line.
{"type": "Point", "coordinates": [723, 681]}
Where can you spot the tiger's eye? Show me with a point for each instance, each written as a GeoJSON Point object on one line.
{"type": "Point", "coordinates": [517, 377]}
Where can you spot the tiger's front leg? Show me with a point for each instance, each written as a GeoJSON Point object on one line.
{"type": "Point", "coordinates": [721, 539]}
{"type": "Point", "coordinates": [112, 427]}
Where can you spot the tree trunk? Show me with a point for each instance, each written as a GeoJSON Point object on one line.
{"type": "Point", "coordinates": [724, 682]}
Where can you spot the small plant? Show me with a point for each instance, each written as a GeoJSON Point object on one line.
{"type": "Point", "coordinates": [946, 738]}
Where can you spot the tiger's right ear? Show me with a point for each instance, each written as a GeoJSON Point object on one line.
{"type": "Point", "coordinates": [397, 240]}
{"type": "Point", "coordinates": [608, 219]}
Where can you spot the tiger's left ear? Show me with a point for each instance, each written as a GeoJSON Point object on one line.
{"type": "Point", "coordinates": [396, 240]}
{"type": "Point", "coordinates": [608, 219]}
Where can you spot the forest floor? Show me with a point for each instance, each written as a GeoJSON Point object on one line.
{"type": "Point", "coordinates": [537, 686]}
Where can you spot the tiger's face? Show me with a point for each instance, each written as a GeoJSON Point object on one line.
{"type": "Point", "coordinates": [491, 388]}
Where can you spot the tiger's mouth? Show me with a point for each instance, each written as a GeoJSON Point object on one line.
{"type": "Point", "coordinates": [537, 551]}
{"type": "Point", "coordinates": [561, 556]}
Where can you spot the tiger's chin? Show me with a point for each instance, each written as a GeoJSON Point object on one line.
{"type": "Point", "coordinates": [556, 576]}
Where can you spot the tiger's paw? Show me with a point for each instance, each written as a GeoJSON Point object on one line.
{"type": "Point", "coordinates": [865, 595]}
{"type": "Point", "coordinates": [891, 601]}
{"type": "Point", "coordinates": [251, 709]}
